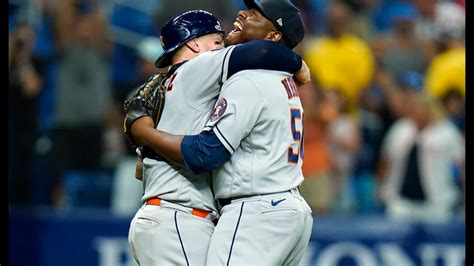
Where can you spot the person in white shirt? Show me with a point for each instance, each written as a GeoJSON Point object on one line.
{"type": "Point", "coordinates": [421, 155]}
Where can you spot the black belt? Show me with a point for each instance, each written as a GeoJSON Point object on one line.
{"type": "Point", "coordinates": [227, 201]}
{"type": "Point", "coordinates": [224, 202]}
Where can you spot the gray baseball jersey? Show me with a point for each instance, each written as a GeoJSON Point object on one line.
{"type": "Point", "coordinates": [185, 112]}
{"type": "Point", "coordinates": [259, 119]}
{"type": "Point", "coordinates": [266, 143]}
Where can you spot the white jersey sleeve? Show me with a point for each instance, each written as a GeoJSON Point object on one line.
{"type": "Point", "coordinates": [209, 70]}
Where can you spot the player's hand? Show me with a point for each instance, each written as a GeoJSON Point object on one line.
{"type": "Point", "coordinates": [137, 107]}
{"type": "Point", "coordinates": [303, 75]}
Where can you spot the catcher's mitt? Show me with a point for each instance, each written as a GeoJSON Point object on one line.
{"type": "Point", "coordinates": [148, 100]}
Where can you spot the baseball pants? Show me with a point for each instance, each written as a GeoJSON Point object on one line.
{"type": "Point", "coordinates": [272, 229]}
{"type": "Point", "coordinates": [161, 235]}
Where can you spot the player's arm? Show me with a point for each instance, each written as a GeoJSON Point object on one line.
{"type": "Point", "coordinates": [234, 116]}
{"type": "Point", "coordinates": [222, 64]}
{"type": "Point", "coordinates": [199, 153]}
{"type": "Point", "coordinates": [211, 148]}
{"type": "Point", "coordinates": [263, 54]}
{"type": "Point", "coordinates": [163, 143]}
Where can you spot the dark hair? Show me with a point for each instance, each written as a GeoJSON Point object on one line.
{"type": "Point", "coordinates": [451, 93]}
{"type": "Point", "coordinates": [84, 7]}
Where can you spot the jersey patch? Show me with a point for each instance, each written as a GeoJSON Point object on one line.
{"type": "Point", "coordinates": [219, 110]}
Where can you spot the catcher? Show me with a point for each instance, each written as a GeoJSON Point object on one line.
{"type": "Point", "coordinates": [177, 219]}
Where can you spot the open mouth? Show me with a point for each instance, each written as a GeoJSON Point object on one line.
{"type": "Point", "coordinates": [237, 26]}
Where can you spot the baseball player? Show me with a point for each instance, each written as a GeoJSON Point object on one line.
{"type": "Point", "coordinates": [254, 143]}
{"type": "Point", "coordinates": [175, 223]}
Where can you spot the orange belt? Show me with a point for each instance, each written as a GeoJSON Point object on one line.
{"type": "Point", "coordinates": [196, 212]}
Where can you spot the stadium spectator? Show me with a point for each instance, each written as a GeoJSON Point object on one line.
{"type": "Point", "coordinates": [371, 133]}
{"type": "Point", "coordinates": [126, 190]}
{"type": "Point", "coordinates": [343, 140]}
{"type": "Point", "coordinates": [420, 155]}
{"type": "Point", "coordinates": [380, 105]}
{"type": "Point", "coordinates": [400, 49]}
{"type": "Point", "coordinates": [83, 91]}
{"type": "Point", "coordinates": [447, 70]}
{"type": "Point", "coordinates": [316, 187]}
{"type": "Point", "coordinates": [360, 22]}
{"type": "Point", "coordinates": [24, 86]}
{"type": "Point", "coordinates": [392, 94]}
{"type": "Point", "coordinates": [455, 106]}
{"type": "Point", "coordinates": [425, 26]}
{"type": "Point", "coordinates": [332, 57]}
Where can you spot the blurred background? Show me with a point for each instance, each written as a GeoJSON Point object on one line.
{"type": "Point", "coordinates": [384, 127]}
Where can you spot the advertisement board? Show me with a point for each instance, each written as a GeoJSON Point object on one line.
{"type": "Point", "coordinates": [95, 237]}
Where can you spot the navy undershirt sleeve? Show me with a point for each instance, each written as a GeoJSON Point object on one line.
{"type": "Point", "coordinates": [203, 152]}
{"type": "Point", "coordinates": [262, 54]}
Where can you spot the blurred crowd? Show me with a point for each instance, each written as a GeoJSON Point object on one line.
{"type": "Point", "coordinates": [384, 112]}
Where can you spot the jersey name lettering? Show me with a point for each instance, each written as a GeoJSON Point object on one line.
{"type": "Point", "coordinates": [290, 87]}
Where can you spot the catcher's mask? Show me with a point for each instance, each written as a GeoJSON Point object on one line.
{"type": "Point", "coordinates": [180, 29]}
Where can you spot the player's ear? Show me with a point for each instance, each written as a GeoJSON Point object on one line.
{"type": "Point", "coordinates": [193, 45]}
{"type": "Point", "coordinates": [274, 36]}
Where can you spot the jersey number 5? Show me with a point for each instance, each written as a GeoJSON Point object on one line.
{"type": "Point", "coordinates": [298, 137]}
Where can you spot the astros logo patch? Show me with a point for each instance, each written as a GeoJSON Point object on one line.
{"type": "Point", "coordinates": [219, 110]}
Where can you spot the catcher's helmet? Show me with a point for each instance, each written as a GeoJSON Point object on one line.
{"type": "Point", "coordinates": [180, 29]}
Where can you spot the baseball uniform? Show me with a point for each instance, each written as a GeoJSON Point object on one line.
{"type": "Point", "coordinates": [264, 220]}
{"type": "Point", "coordinates": [168, 233]}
